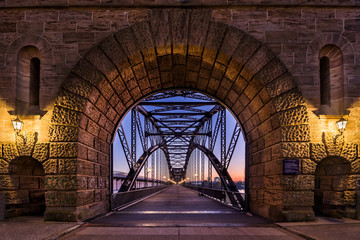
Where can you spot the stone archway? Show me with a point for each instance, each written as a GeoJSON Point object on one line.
{"type": "Point", "coordinates": [334, 193]}
{"type": "Point", "coordinates": [179, 49]}
{"type": "Point", "coordinates": [26, 191]}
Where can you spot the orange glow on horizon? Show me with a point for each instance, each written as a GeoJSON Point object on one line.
{"type": "Point", "coordinates": [238, 178]}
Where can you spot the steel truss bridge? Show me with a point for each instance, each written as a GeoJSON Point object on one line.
{"type": "Point", "coordinates": [179, 127]}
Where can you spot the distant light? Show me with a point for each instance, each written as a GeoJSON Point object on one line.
{"type": "Point", "coordinates": [341, 124]}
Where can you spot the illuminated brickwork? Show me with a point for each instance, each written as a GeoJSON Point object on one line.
{"type": "Point", "coordinates": [260, 60]}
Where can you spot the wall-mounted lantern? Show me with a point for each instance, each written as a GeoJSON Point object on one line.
{"type": "Point", "coordinates": [18, 124]}
{"type": "Point", "coordinates": [341, 124]}
{"type": "Point", "coordinates": [24, 141]}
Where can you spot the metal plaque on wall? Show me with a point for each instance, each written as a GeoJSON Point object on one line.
{"type": "Point", "coordinates": [291, 166]}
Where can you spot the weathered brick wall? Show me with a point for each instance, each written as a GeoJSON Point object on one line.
{"type": "Point", "coordinates": [179, 50]}
{"type": "Point", "coordinates": [63, 36]}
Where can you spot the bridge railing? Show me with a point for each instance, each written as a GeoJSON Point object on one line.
{"type": "Point", "coordinates": [122, 199]}
{"type": "Point", "coordinates": [218, 194]}
{"type": "Point", "coordinates": [141, 182]}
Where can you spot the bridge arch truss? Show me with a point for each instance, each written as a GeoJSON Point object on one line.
{"type": "Point", "coordinates": [178, 122]}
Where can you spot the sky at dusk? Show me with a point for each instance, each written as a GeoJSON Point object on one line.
{"type": "Point", "coordinates": [236, 167]}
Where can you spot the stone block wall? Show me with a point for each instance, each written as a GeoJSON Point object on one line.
{"type": "Point", "coordinates": [253, 56]}
{"type": "Point", "coordinates": [22, 187]}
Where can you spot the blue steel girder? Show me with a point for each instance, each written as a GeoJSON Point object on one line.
{"type": "Point", "coordinates": [133, 135]}
{"type": "Point", "coordinates": [129, 182]}
{"type": "Point", "coordinates": [216, 131]}
{"type": "Point", "coordinates": [140, 130]}
{"type": "Point", "coordinates": [125, 146]}
{"type": "Point", "coordinates": [175, 93]}
{"type": "Point", "coordinates": [207, 118]}
{"type": "Point", "coordinates": [223, 137]}
{"type": "Point", "coordinates": [235, 197]}
{"type": "Point", "coordinates": [229, 185]}
{"type": "Point", "coordinates": [162, 128]}
{"type": "Point", "coordinates": [232, 145]}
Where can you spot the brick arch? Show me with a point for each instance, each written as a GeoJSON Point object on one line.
{"type": "Point", "coordinates": [314, 48]}
{"type": "Point", "coordinates": [178, 49]}
{"type": "Point", "coordinates": [34, 40]}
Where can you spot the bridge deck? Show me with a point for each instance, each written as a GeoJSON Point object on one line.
{"type": "Point", "coordinates": [178, 213]}
{"type": "Point", "coordinates": [179, 206]}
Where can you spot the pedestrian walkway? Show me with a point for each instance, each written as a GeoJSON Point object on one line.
{"type": "Point", "coordinates": [326, 228]}
{"type": "Point", "coordinates": [33, 228]}
{"type": "Point", "coordinates": [178, 213]}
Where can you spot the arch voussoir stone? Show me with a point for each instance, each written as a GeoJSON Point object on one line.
{"type": "Point", "coordinates": [100, 61]}
{"type": "Point", "coordinates": [160, 29]}
{"type": "Point", "coordinates": [257, 61]}
{"type": "Point", "coordinates": [129, 44]}
{"type": "Point", "coordinates": [145, 39]}
{"type": "Point", "coordinates": [180, 49]}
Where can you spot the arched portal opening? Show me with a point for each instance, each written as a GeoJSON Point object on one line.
{"type": "Point", "coordinates": [26, 193]}
{"type": "Point", "coordinates": [334, 193]}
{"type": "Point", "coordinates": [152, 56]}
{"type": "Point", "coordinates": [177, 122]}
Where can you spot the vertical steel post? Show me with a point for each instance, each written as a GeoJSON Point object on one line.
{"type": "Point", "coordinates": [209, 163]}
{"type": "Point", "coordinates": [146, 129]}
{"type": "Point", "coordinates": [223, 136]}
{"type": "Point", "coordinates": [133, 136]}
{"type": "Point", "coordinates": [158, 167]}
{"type": "Point", "coordinates": [202, 169]}
{"type": "Point", "coordinates": [223, 139]}
{"type": "Point", "coordinates": [196, 166]}
{"type": "Point", "coordinates": [153, 157]}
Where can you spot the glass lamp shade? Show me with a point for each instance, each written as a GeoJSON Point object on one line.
{"type": "Point", "coordinates": [17, 124]}
{"type": "Point", "coordinates": [341, 124]}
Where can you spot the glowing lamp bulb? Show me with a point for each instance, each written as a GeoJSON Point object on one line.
{"type": "Point", "coordinates": [18, 124]}
{"type": "Point", "coordinates": [341, 124]}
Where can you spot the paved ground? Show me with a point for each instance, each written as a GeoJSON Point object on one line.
{"type": "Point", "coordinates": [326, 228]}
{"type": "Point", "coordinates": [32, 228]}
{"type": "Point", "coordinates": [179, 206]}
{"type": "Point", "coordinates": [178, 214]}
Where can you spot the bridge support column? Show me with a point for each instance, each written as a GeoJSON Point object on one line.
{"type": "Point", "coordinates": [358, 205]}
{"type": "Point", "coordinates": [76, 189]}
{"type": "Point", "coordinates": [2, 206]}
{"type": "Point", "coordinates": [279, 196]}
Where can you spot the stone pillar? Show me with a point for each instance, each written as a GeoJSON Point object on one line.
{"type": "Point", "coordinates": [77, 188]}
{"type": "Point", "coordinates": [2, 206]}
{"type": "Point", "coordinates": [358, 205]}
